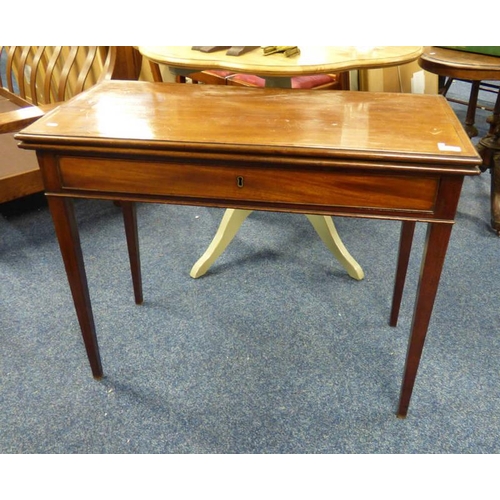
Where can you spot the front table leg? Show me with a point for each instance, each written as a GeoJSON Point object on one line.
{"type": "Point", "coordinates": [436, 244]}
{"type": "Point", "coordinates": [69, 242]}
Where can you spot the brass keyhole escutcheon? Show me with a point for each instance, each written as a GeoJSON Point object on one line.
{"type": "Point", "coordinates": [239, 181]}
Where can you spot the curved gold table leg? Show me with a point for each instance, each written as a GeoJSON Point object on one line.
{"type": "Point", "coordinates": [234, 218]}
{"type": "Point", "coordinates": [327, 231]}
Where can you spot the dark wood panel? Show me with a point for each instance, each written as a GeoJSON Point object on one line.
{"type": "Point", "coordinates": [289, 185]}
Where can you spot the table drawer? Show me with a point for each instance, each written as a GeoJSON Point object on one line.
{"type": "Point", "coordinates": [295, 186]}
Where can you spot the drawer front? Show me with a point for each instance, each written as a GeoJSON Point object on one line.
{"type": "Point", "coordinates": [300, 186]}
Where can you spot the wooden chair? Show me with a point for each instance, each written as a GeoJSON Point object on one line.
{"type": "Point", "coordinates": [335, 81]}
{"type": "Point", "coordinates": [208, 77]}
{"type": "Point", "coordinates": [36, 79]}
{"type": "Point", "coordinates": [489, 149]}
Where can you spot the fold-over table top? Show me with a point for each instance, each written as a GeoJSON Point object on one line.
{"type": "Point", "coordinates": [323, 125]}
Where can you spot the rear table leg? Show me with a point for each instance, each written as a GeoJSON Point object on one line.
{"type": "Point", "coordinates": [130, 221]}
{"type": "Point", "coordinates": [405, 243]}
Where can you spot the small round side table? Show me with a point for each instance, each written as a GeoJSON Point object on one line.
{"type": "Point", "coordinates": [475, 68]}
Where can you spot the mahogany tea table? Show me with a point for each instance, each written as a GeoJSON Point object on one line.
{"type": "Point", "coordinates": [355, 154]}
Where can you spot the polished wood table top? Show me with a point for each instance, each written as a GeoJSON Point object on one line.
{"type": "Point", "coordinates": [246, 121]}
{"type": "Point", "coordinates": [300, 151]}
{"type": "Point", "coordinates": [312, 60]}
{"type": "Point", "coordinates": [460, 64]}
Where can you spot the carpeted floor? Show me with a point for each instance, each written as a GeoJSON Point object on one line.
{"type": "Point", "coordinates": [275, 350]}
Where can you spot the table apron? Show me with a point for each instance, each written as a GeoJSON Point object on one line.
{"type": "Point", "coordinates": [291, 188]}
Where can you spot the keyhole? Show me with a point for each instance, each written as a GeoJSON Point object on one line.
{"type": "Point", "coordinates": [239, 181]}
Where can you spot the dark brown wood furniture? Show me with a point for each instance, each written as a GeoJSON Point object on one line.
{"type": "Point", "coordinates": [472, 102]}
{"type": "Point", "coordinates": [352, 154]}
{"type": "Point", "coordinates": [475, 68]}
{"type": "Point", "coordinates": [461, 65]}
{"type": "Point", "coordinates": [37, 79]}
{"type": "Point", "coordinates": [489, 149]}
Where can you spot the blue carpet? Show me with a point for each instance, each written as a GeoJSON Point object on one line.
{"type": "Point", "coordinates": [275, 350]}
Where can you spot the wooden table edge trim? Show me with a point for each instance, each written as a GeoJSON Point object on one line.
{"type": "Point", "coordinates": [286, 155]}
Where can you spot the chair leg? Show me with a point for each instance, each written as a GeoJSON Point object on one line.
{"type": "Point", "coordinates": [470, 118]}
{"type": "Point", "coordinates": [130, 222]}
{"type": "Point", "coordinates": [495, 192]}
{"type": "Point", "coordinates": [494, 119]}
{"type": "Point", "coordinates": [155, 72]}
{"type": "Point", "coordinates": [447, 84]}
{"type": "Point", "coordinates": [489, 149]}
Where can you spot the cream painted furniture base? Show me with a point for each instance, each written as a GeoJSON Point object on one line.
{"type": "Point", "coordinates": [232, 221]}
